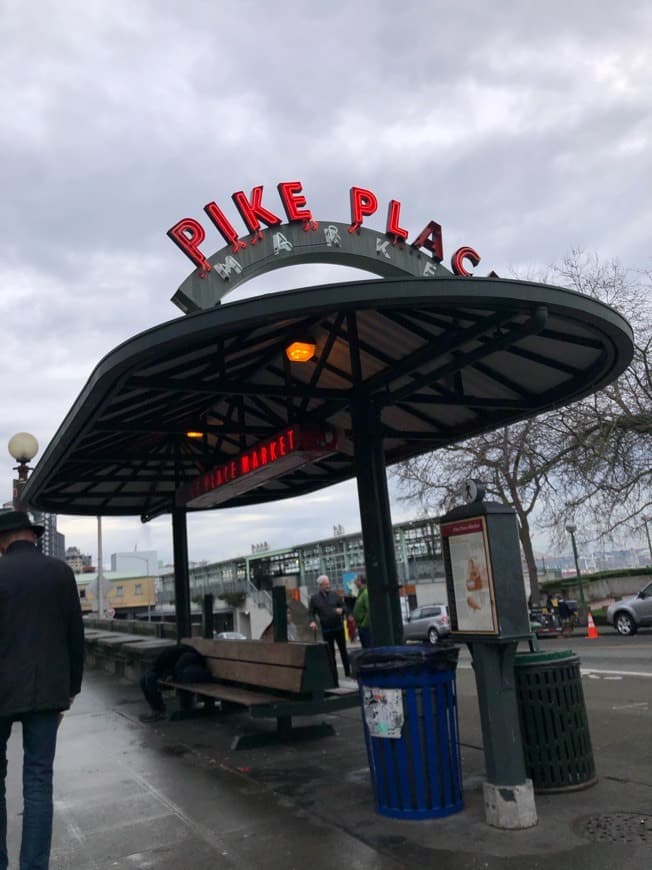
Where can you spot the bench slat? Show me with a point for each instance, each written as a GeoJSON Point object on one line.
{"type": "Point", "coordinates": [290, 667]}
{"type": "Point", "coordinates": [255, 674]}
{"type": "Point", "coordinates": [220, 692]}
{"type": "Point", "coordinates": [262, 705]}
{"type": "Point", "coordinates": [261, 651]}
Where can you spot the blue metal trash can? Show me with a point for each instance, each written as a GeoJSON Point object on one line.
{"type": "Point", "coordinates": [409, 713]}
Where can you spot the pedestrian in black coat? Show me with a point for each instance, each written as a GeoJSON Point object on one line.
{"type": "Point", "coordinates": [41, 664]}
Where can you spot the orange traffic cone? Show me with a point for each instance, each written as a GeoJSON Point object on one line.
{"type": "Point", "coordinates": [593, 631]}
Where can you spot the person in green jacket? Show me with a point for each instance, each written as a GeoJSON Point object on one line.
{"type": "Point", "coordinates": [361, 611]}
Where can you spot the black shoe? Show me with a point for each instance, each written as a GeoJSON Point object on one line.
{"type": "Point", "coordinates": [154, 716]}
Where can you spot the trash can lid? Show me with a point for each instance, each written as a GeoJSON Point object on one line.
{"type": "Point", "coordinates": [540, 658]}
{"type": "Point", "coordinates": [392, 658]}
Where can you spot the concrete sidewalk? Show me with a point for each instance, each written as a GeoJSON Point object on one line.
{"type": "Point", "coordinates": [173, 796]}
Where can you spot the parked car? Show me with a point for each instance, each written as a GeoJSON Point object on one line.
{"type": "Point", "coordinates": [429, 622]}
{"type": "Point", "coordinates": [230, 635]}
{"type": "Point", "coordinates": [630, 614]}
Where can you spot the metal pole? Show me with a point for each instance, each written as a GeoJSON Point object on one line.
{"type": "Point", "coordinates": [181, 573]}
{"type": "Point", "coordinates": [376, 521]}
{"type": "Point", "coordinates": [209, 628]}
{"type": "Point", "coordinates": [577, 568]}
{"type": "Point", "coordinates": [279, 612]}
{"type": "Point", "coordinates": [501, 734]}
{"type": "Point", "coordinates": [100, 575]}
{"type": "Point", "coordinates": [647, 533]}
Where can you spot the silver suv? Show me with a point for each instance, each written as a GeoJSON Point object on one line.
{"type": "Point", "coordinates": [429, 622]}
{"type": "Point", "coordinates": [630, 614]}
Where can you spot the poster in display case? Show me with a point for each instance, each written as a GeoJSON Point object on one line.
{"type": "Point", "coordinates": [469, 576]}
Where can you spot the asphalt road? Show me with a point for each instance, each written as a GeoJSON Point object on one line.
{"type": "Point", "coordinates": [611, 653]}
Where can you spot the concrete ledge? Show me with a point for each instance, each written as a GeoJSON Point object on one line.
{"type": "Point", "coordinates": [122, 655]}
{"type": "Point", "coordinates": [510, 807]}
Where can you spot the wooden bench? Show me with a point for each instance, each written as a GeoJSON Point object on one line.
{"type": "Point", "coordinates": [269, 680]}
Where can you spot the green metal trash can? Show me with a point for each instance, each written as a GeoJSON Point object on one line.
{"type": "Point", "coordinates": [554, 724]}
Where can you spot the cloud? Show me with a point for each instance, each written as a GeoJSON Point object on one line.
{"type": "Point", "coordinates": [523, 128]}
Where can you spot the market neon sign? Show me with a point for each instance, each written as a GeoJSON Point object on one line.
{"type": "Point", "coordinates": [267, 460]}
{"type": "Point", "coordinates": [188, 234]}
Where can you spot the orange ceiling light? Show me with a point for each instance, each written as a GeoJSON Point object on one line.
{"type": "Point", "coordinates": [300, 351]}
{"type": "Point", "coordinates": [194, 434]}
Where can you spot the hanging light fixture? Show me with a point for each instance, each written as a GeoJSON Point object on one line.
{"type": "Point", "coordinates": [300, 351]}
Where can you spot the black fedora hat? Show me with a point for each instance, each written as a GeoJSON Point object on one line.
{"type": "Point", "coordinates": [15, 521]}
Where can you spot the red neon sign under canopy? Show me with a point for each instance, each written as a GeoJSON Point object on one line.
{"type": "Point", "coordinates": [290, 449]}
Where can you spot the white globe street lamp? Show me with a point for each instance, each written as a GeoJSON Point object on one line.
{"type": "Point", "coordinates": [22, 447]}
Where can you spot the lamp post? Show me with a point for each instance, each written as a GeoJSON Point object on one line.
{"type": "Point", "coordinates": [646, 520]}
{"type": "Point", "coordinates": [22, 447]}
{"type": "Point", "coordinates": [100, 571]}
{"type": "Point", "coordinates": [571, 529]}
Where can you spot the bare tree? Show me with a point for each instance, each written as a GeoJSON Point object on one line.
{"type": "Point", "coordinates": [603, 469]}
{"type": "Point", "coordinates": [513, 462]}
{"type": "Point", "coordinates": [589, 461]}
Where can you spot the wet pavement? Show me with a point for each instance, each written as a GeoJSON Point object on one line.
{"type": "Point", "coordinates": [173, 795]}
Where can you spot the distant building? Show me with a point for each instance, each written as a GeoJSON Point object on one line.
{"type": "Point", "coordinates": [417, 549]}
{"type": "Point", "coordinates": [126, 595]}
{"type": "Point", "coordinates": [143, 562]}
{"type": "Point", "coordinates": [78, 561]}
{"type": "Point", "coordinates": [51, 542]}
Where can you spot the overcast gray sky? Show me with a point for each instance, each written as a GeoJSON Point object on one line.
{"type": "Point", "coordinates": [522, 127]}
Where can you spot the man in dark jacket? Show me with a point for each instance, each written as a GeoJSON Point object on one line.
{"type": "Point", "coordinates": [328, 607]}
{"type": "Point", "coordinates": [41, 664]}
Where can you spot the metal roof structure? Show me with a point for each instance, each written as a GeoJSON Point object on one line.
{"type": "Point", "coordinates": [442, 359]}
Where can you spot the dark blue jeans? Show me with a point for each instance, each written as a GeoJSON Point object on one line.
{"type": "Point", "coordinates": [152, 692]}
{"type": "Point", "coordinates": [39, 745]}
{"type": "Point", "coordinates": [365, 636]}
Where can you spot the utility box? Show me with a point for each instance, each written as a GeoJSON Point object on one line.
{"type": "Point", "coordinates": [484, 578]}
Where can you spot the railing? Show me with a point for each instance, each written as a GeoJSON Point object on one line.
{"type": "Point", "coordinates": [262, 597]}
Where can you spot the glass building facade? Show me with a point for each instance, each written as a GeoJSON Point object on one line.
{"type": "Point", "coordinates": [416, 544]}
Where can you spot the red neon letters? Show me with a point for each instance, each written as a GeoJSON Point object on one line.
{"type": "Point", "coordinates": [224, 225]}
{"type": "Point", "coordinates": [363, 204]}
{"type": "Point", "coordinates": [188, 234]}
{"type": "Point", "coordinates": [393, 228]}
{"type": "Point", "coordinates": [270, 459]}
{"type": "Point", "coordinates": [251, 210]}
{"type": "Point", "coordinates": [293, 201]}
{"type": "Point", "coordinates": [430, 238]}
{"type": "Point", "coordinates": [457, 261]}
{"type": "Point", "coordinates": [251, 460]}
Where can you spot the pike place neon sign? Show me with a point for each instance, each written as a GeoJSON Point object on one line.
{"type": "Point", "coordinates": [273, 458]}
{"type": "Point", "coordinates": [269, 244]}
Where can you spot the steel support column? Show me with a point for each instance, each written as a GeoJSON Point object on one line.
{"type": "Point", "coordinates": [208, 621]}
{"type": "Point", "coordinates": [280, 612]}
{"type": "Point", "coordinates": [493, 664]}
{"type": "Point", "coordinates": [376, 520]}
{"type": "Point", "coordinates": [181, 573]}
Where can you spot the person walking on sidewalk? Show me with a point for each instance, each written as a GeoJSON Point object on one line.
{"type": "Point", "coordinates": [328, 607]}
{"type": "Point", "coordinates": [361, 611]}
{"type": "Point", "coordinates": [41, 666]}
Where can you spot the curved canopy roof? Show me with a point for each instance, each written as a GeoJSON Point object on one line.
{"type": "Point", "coordinates": [441, 359]}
